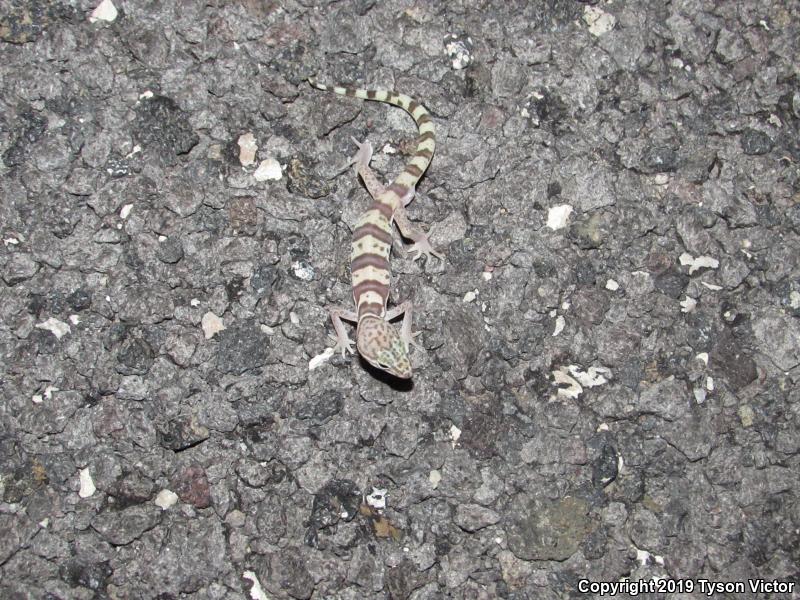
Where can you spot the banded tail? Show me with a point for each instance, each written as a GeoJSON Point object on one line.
{"type": "Point", "coordinates": [426, 144]}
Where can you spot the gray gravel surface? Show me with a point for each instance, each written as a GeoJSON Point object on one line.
{"type": "Point", "coordinates": [608, 384]}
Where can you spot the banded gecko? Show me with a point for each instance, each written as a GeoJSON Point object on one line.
{"type": "Point", "coordinates": [377, 340]}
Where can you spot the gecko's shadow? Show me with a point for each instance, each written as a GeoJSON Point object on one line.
{"type": "Point", "coordinates": [400, 385]}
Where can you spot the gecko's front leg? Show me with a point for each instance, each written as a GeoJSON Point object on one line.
{"type": "Point", "coordinates": [343, 341]}
{"type": "Point", "coordinates": [405, 309]}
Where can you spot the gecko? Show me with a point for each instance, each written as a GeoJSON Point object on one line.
{"type": "Point", "coordinates": [377, 340]}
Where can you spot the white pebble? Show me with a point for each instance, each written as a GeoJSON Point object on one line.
{"type": "Point", "coordinates": [54, 326]}
{"type": "Point", "coordinates": [87, 485]}
{"type": "Point", "coordinates": [269, 169]}
{"type": "Point", "coordinates": [105, 11]}
{"type": "Point", "coordinates": [211, 325]}
{"type": "Point", "coordinates": [558, 215]}
{"type": "Point", "coordinates": [165, 499]}
{"type": "Point", "coordinates": [247, 149]}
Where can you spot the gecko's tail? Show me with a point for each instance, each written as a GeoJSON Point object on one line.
{"type": "Point", "coordinates": [320, 86]}
{"type": "Point", "coordinates": [426, 143]}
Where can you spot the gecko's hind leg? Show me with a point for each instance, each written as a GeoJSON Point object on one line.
{"type": "Point", "coordinates": [422, 245]}
{"type": "Point", "coordinates": [360, 159]}
{"type": "Point", "coordinates": [361, 163]}
{"type": "Point", "coordinates": [363, 156]}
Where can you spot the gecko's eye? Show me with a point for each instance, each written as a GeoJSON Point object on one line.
{"type": "Point", "coordinates": [383, 366]}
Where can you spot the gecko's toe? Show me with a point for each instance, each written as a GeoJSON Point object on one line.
{"type": "Point", "coordinates": [410, 341]}
{"type": "Point", "coordinates": [364, 154]}
{"type": "Point", "coordinates": [423, 248]}
{"type": "Point", "coordinates": [344, 345]}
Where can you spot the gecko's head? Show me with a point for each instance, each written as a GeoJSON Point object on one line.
{"type": "Point", "coordinates": [381, 346]}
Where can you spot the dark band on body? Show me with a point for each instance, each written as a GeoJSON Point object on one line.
{"type": "Point", "coordinates": [370, 285]}
{"type": "Point", "coordinates": [369, 260]}
{"type": "Point", "coordinates": [371, 308]}
{"type": "Point", "coordinates": [378, 233]}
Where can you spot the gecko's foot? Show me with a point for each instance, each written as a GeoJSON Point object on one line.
{"type": "Point", "coordinates": [344, 344]}
{"type": "Point", "coordinates": [422, 247]}
{"type": "Point", "coordinates": [364, 154]}
{"type": "Point", "coordinates": [408, 340]}
{"type": "Point", "coordinates": [360, 159]}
